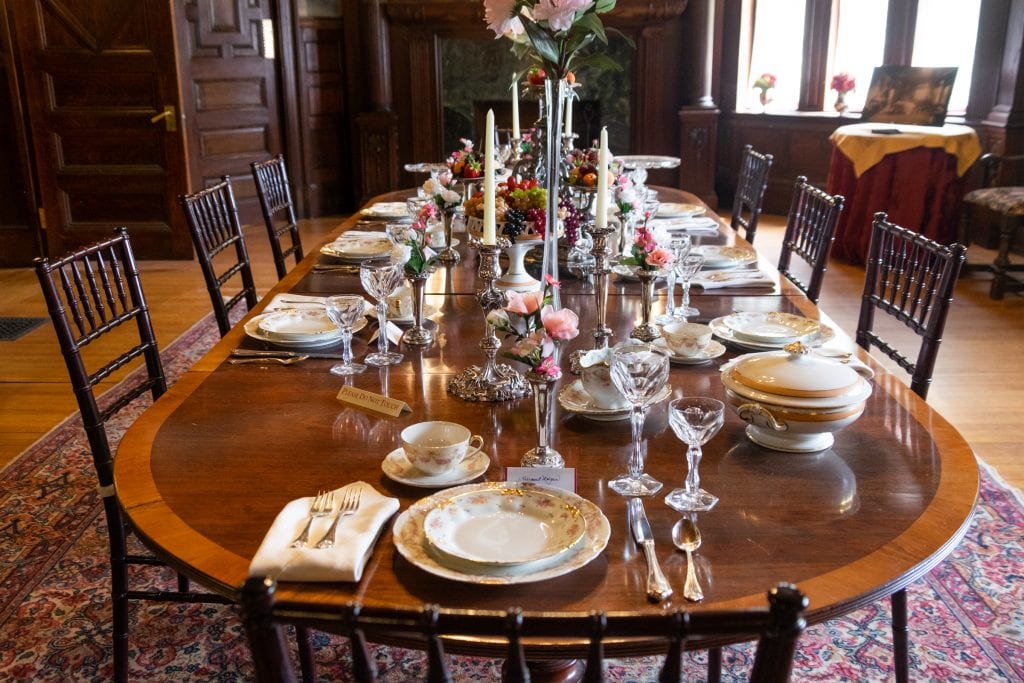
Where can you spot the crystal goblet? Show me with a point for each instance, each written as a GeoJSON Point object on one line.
{"type": "Point", "coordinates": [380, 278]}
{"type": "Point", "coordinates": [680, 248]}
{"type": "Point", "coordinates": [686, 268]}
{"type": "Point", "coordinates": [345, 310]}
{"type": "Point", "coordinates": [640, 372]}
{"type": "Point", "coordinates": [694, 420]}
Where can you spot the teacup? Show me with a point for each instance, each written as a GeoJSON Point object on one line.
{"type": "Point", "coordinates": [439, 447]}
{"type": "Point", "coordinates": [400, 303]}
{"type": "Point", "coordinates": [595, 375]}
{"type": "Point", "coordinates": [687, 339]}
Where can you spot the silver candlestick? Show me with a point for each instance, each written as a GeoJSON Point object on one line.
{"type": "Point", "coordinates": [494, 381]}
{"type": "Point", "coordinates": [601, 270]}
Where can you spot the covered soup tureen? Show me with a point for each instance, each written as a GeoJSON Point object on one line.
{"type": "Point", "coordinates": [794, 400]}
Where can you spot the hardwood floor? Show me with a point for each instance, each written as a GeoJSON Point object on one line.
{"type": "Point", "coordinates": [977, 379]}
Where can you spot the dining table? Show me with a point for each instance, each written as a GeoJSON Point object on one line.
{"type": "Point", "coordinates": [203, 473]}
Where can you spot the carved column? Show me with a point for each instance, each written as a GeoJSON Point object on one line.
{"type": "Point", "coordinates": [378, 129]}
{"type": "Point", "coordinates": [698, 117]}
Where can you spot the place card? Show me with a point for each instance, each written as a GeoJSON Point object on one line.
{"type": "Point", "coordinates": [556, 477]}
{"type": "Point", "coordinates": [371, 401]}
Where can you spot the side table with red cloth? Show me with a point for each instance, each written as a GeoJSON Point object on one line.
{"type": "Point", "coordinates": [916, 176]}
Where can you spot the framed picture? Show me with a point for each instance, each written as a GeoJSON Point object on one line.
{"type": "Point", "coordinates": [909, 94]}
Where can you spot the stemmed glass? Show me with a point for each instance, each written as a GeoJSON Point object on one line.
{"type": "Point", "coordinates": [380, 278]}
{"type": "Point", "coordinates": [680, 248]}
{"type": "Point", "coordinates": [640, 372]}
{"type": "Point", "coordinates": [686, 268]}
{"type": "Point", "coordinates": [694, 420]}
{"type": "Point", "coordinates": [345, 310]}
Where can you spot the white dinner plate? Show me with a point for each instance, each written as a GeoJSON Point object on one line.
{"type": "Point", "coordinates": [726, 333]}
{"type": "Point", "coordinates": [358, 247]}
{"type": "Point", "coordinates": [398, 468]}
{"type": "Point", "coordinates": [411, 544]}
{"type": "Point", "coordinates": [504, 527]}
{"type": "Point", "coordinates": [387, 210]}
{"type": "Point", "coordinates": [297, 324]}
{"type": "Point", "coordinates": [716, 257]}
{"type": "Point", "coordinates": [253, 329]}
{"type": "Point", "coordinates": [771, 327]}
{"type": "Point", "coordinates": [680, 210]}
{"type": "Point", "coordinates": [712, 351]}
{"type": "Point", "coordinates": [575, 399]}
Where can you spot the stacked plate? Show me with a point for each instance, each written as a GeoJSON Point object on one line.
{"type": "Point", "coordinates": [387, 211]}
{"type": "Point", "coordinates": [679, 210]}
{"type": "Point", "coordinates": [501, 533]}
{"type": "Point", "coordinates": [766, 331]}
{"type": "Point", "coordinates": [358, 245]}
{"type": "Point", "coordinates": [721, 257]}
{"type": "Point", "coordinates": [575, 399]}
{"type": "Point", "coordinates": [296, 328]}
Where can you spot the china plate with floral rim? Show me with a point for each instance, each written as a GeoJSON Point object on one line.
{"type": "Point", "coordinates": [722, 330]}
{"type": "Point", "coordinates": [713, 350]}
{"type": "Point", "coordinates": [717, 257]}
{"type": "Point", "coordinates": [410, 542]}
{"type": "Point", "coordinates": [575, 399]}
{"type": "Point", "coordinates": [398, 468]}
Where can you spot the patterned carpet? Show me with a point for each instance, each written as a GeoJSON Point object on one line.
{"type": "Point", "coordinates": [966, 617]}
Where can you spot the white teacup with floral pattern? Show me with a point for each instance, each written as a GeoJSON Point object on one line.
{"type": "Point", "coordinates": [596, 378]}
{"type": "Point", "coordinates": [687, 339]}
{"type": "Point", "coordinates": [439, 447]}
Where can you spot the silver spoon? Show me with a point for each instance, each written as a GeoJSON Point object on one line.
{"type": "Point", "coordinates": [686, 536]}
{"type": "Point", "coordinates": [283, 361]}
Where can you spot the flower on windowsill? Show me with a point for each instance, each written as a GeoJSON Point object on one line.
{"type": "Point", "coordinates": [537, 328]}
{"type": "Point", "coordinates": [843, 83]}
{"type": "Point", "coordinates": [649, 251]}
{"type": "Point", "coordinates": [765, 83]}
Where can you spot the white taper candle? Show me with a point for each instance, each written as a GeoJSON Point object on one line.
{"type": "Point", "coordinates": [489, 220]}
{"type": "Point", "coordinates": [601, 210]}
{"type": "Point", "coordinates": [515, 107]}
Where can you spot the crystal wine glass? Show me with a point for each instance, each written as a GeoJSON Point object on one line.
{"type": "Point", "coordinates": [345, 310]}
{"type": "Point", "coordinates": [680, 248]}
{"type": "Point", "coordinates": [380, 278]}
{"type": "Point", "coordinates": [694, 420]}
{"type": "Point", "coordinates": [640, 372]}
{"type": "Point", "coordinates": [686, 268]}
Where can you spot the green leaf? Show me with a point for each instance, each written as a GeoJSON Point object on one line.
{"type": "Point", "coordinates": [542, 42]}
{"type": "Point", "coordinates": [602, 6]}
{"type": "Point", "coordinates": [590, 24]}
{"type": "Point", "coordinates": [597, 60]}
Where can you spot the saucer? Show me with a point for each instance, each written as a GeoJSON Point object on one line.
{"type": "Point", "coordinates": [398, 468]}
{"type": "Point", "coordinates": [575, 399]}
{"type": "Point", "coordinates": [713, 350]}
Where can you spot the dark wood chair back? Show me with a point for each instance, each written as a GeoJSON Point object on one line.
{"type": "Point", "coordinates": [777, 627]}
{"type": "Point", "coordinates": [212, 217]}
{"type": "Point", "coordinates": [95, 297]}
{"type": "Point", "coordinates": [750, 187]}
{"type": "Point", "coordinates": [275, 197]}
{"type": "Point", "coordinates": [810, 231]}
{"type": "Point", "coordinates": [910, 278]}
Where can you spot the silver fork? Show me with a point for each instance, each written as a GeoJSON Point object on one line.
{"type": "Point", "coordinates": [290, 360]}
{"type": "Point", "coordinates": [320, 507]}
{"type": "Point", "coordinates": [349, 505]}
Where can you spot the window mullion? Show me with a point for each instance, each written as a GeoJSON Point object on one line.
{"type": "Point", "coordinates": [899, 33]}
{"type": "Point", "coordinates": [816, 51]}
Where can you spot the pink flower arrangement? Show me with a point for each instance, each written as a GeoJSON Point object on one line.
{"type": "Point", "coordinates": [648, 253]}
{"type": "Point", "coordinates": [765, 83]}
{"type": "Point", "coordinates": [843, 83]}
{"type": "Point", "coordinates": [537, 328]}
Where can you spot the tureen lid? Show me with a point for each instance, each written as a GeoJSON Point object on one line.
{"type": "Point", "coordinates": [795, 371]}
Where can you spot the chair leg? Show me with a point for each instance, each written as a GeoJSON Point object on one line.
{"type": "Point", "coordinates": [900, 640]}
{"type": "Point", "coordinates": [118, 589]}
{"type": "Point", "coordinates": [999, 266]}
{"type": "Point", "coordinates": [182, 583]}
{"type": "Point", "coordinates": [714, 665]}
{"type": "Point", "coordinates": [305, 654]}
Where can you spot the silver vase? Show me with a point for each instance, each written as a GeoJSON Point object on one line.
{"type": "Point", "coordinates": [418, 335]}
{"type": "Point", "coordinates": [543, 455]}
{"type": "Point", "coordinates": [646, 331]}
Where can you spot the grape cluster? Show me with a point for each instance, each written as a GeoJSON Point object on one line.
{"type": "Point", "coordinates": [515, 223]}
{"type": "Point", "coordinates": [572, 218]}
{"type": "Point", "coordinates": [536, 216]}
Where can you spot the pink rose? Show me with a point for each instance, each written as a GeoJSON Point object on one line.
{"type": "Point", "coordinates": [644, 239]}
{"type": "Point", "coordinates": [660, 257]}
{"type": "Point", "coordinates": [547, 368]}
{"type": "Point", "coordinates": [524, 304]}
{"type": "Point", "coordinates": [562, 324]}
{"type": "Point", "coordinates": [526, 346]}
{"type": "Point", "coordinates": [559, 13]}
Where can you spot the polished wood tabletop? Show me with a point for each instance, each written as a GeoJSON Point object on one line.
{"type": "Point", "coordinates": [203, 472]}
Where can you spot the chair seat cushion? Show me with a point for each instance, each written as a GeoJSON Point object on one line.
{"type": "Point", "coordinates": [1008, 201]}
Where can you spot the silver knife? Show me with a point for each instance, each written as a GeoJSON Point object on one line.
{"type": "Point", "coordinates": [658, 588]}
{"type": "Point", "coordinates": [253, 353]}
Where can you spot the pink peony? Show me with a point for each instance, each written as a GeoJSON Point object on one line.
{"type": "Point", "coordinates": [562, 324]}
{"type": "Point", "coordinates": [659, 257]}
{"type": "Point", "coordinates": [527, 345]}
{"type": "Point", "coordinates": [524, 304]}
{"type": "Point", "coordinates": [502, 18]}
{"type": "Point", "coordinates": [645, 239]}
{"type": "Point", "coordinates": [559, 13]}
{"type": "Point", "coordinates": [548, 368]}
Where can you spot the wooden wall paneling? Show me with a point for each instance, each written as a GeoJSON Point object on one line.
{"type": "Point", "coordinates": [20, 237]}
{"type": "Point", "coordinates": [323, 111]}
{"type": "Point", "coordinates": [698, 152]}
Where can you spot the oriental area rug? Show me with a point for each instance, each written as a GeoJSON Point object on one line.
{"type": "Point", "coordinates": [966, 616]}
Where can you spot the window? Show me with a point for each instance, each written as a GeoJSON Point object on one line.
{"type": "Point", "coordinates": [805, 43]}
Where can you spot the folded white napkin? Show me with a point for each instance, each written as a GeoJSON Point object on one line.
{"type": "Point", "coordinates": [355, 538]}
{"type": "Point", "coordinates": [394, 333]}
{"type": "Point", "coordinates": [691, 225]}
{"type": "Point", "coordinates": [722, 280]}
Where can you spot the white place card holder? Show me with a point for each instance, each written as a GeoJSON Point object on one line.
{"type": "Point", "coordinates": [371, 401]}
{"type": "Point", "coordinates": [558, 478]}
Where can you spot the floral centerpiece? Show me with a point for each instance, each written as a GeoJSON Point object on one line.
{"type": "Point", "coordinates": [413, 241]}
{"type": "Point", "coordinates": [627, 199]}
{"type": "Point", "coordinates": [765, 83]}
{"type": "Point", "coordinates": [518, 208]}
{"type": "Point", "coordinates": [466, 163]}
{"type": "Point", "coordinates": [441, 195]}
{"type": "Point", "coordinates": [537, 328]}
{"type": "Point", "coordinates": [842, 83]}
{"type": "Point", "coordinates": [648, 252]}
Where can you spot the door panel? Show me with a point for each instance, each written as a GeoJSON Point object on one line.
{"type": "Point", "coordinates": [231, 92]}
{"type": "Point", "coordinates": [95, 73]}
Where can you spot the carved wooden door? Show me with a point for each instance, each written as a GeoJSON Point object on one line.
{"type": "Point", "coordinates": [230, 83]}
{"type": "Point", "coordinates": [95, 73]}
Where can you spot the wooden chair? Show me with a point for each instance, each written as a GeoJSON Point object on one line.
{"type": "Point", "coordinates": [212, 217]}
{"type": "Point", "coordinates": [275, 197]}
{"type": "Point", "coordinates": [1005, 201]}
{"type": "Point", "coordinates": [911, 278]}
{"type": "Point", "coordinates": [753, 181]}
{"type": "Point", "coordinates": [91, 293]}
{"type": "Point", "coordinates": [810, 230]}
{"type": "Point", "coordinates": [778, 628]}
